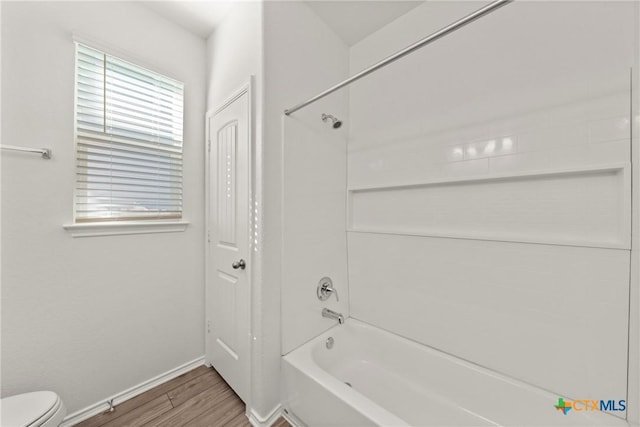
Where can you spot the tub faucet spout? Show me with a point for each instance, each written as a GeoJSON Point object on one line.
{"type": "Point", "coordinates": [330, 314]}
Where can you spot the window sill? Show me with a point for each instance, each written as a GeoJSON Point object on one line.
{"type": "Point", "coordinates": [129, 227]}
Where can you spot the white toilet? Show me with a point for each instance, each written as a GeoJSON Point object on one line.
{"type": "Point", "coordinates": [37, 409]}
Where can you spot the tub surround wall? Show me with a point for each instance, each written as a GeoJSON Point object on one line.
{"type": "Point", "coordinates": [302, 57]}
{"type": "Point", "coordinates": [473, 301]}
{"type": "Point", "coordinates": [314, 202]}
{"type": "Point", "coordinates": [490, 189]}
{"type": "Point", "coordinates": [633, 398]}
{"type": "Point", "coordinates": [90, 317]}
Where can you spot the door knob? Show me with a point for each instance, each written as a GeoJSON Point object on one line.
{"type": "Point", "coordinates": [239, 265]}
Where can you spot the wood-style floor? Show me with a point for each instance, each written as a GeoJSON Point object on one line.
{"type": "Point", "coordinates": [198, 398]}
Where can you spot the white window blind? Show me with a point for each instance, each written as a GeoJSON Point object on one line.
{"type": "Point", "coordinates": [128, 141]}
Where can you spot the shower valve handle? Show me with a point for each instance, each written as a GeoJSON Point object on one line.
{"type": "Point", "coordinates": [325, 289]}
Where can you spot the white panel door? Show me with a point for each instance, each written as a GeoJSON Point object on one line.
{"type": "Point", "coordinates": [228, 261]}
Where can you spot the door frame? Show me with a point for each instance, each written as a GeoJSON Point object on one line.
{"type": "Point", "coordinates": [248, 89]}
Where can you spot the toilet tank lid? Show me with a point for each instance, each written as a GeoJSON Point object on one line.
{"type": "Point", "coordinates": [25, 409]}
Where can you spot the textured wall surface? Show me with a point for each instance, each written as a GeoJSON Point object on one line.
{"type": "Point", "coordinates": [91, 317]}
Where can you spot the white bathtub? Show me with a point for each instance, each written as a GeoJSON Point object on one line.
{"type": "Point", "coordinates": [397, 382]}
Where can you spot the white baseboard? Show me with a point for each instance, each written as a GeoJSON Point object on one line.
{"type": "Point", "coordinates": [118, 398]}
{"type": "Point", "coordinates": [258, 421]}
{"type": "Point", "coordinates": [291, 419]}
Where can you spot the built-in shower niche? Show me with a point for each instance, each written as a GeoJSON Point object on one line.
{"type": "Point", "coordinates": [581, 207]}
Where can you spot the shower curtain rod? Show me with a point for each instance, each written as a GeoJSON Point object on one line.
{"type": "Point", "coordinates": [409, 49]}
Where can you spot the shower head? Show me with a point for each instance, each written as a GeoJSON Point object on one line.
{"type": "Point", "coordinates": [334, 121]}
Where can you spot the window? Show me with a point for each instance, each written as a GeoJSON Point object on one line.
{"type": "Point", "coordinates": [128, 141]}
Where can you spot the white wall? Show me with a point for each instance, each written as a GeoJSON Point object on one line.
{"type": "Point", "coordinates": [527, 124]}
{"type": "Point", "coordinates": [234, 52]}
{"type": "Point", "coordinates": [90, 317]}
{"type": "Point", "coordinates": [302, 57]}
